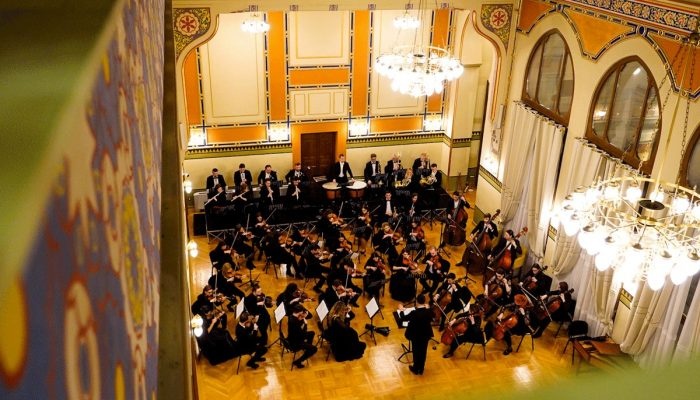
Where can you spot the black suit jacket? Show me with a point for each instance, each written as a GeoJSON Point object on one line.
{"type": "Point", "coordinates": [210, 182]}
{"type": "Point", "coordinates": [480, 227]}
{"type": "Point", "coordinates": [335, 171]}
{"type": "Point", "coordinates": [302, 176]}
{"type": "Point", "coordinates": [389, 169]}
{"type": "Point", "coordinates": [261, 177]}
{"type": "Point", "coordinates": [420, 325]}
{"type": "Point", "coordinates": [368, 170]}
{"type": "Point", "coordinates": [237, 178]}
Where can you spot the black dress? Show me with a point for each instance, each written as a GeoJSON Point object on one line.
{"type": "Point", "coordinates": [345, 343]}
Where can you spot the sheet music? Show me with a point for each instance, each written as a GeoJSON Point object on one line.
{"type": "Point", "coordinates": [280, 312]}
{"type": "Point", "coordinates": [372, 307]}
{"type": "Point", "coordinates": [239, 309]}
{"type": "Point", "coordinates": [322, 310]}
{"type": "Point", "coordinates": [407, 311]}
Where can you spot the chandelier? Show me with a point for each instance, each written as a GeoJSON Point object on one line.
{"type": "Point", "coordinates": [255, 24]}
{"type": "Point", "coordinates": [417, 70]}
{"type": "Point", "coordinates": [644, 228]}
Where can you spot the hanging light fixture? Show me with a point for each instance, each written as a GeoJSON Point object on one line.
{"type": "Point", "coordinates": [418, 69]}
{"type": "Point", "coordinates": [644, 228]}
{"type": "Point", "coordinates": [255, 23]}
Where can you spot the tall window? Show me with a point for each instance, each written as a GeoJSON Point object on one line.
{"type": "Point", "coordinates": [549, 81]}
{"type": "Point", "coordinates": [690, 172]}
{"type": "Point", "coordinates": [625, 118]}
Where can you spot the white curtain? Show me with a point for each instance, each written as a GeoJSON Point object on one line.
{"type": "Point", "coordinates": [688, 346]}
{"type": "Point", "coordinates": [595, 297]}
{"type": "Point", "coordinates": [530, 174]}
{"type": "Point", "coordinates": [516, 154]}
{"type": "Point", "coordinates": [659, 350]}
{"type": "Point", "coordinates": [648, 310]}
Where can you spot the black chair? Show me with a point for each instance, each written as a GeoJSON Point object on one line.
{"type": "Point", "coordinates": [577, 330]}
{"type": "Point", "coordinates": [482, 342]}
{"type": "Point", "coordinates": [522, 337]}
{"type": "Point", "coordinates": [322, 338]}
{"type": "Point", "coordinates": [239, 356]}
{"type": "Point", "coordinates": [286, 347]}
{"type": "Point", "coordinates": [567, 318]}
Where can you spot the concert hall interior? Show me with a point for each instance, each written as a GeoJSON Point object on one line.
{"type": "Point", "coordinates": [232, 199]}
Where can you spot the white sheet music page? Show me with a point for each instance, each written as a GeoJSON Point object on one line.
{"type": "Point", "coordinates": [322, 311]}
{"type": "Point", "coordinates": [372, 307]}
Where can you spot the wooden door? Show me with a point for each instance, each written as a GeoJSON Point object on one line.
{"type": "Point", "coordinates": [318, 152]}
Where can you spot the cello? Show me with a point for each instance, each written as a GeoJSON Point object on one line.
{"type": "Point", "coordinates": [511, 320]}
{"type": "Point", "coordinates": [504, 259]}
{"type": "Point", "coordinates": [479, 248]}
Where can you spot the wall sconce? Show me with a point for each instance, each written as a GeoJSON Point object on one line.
{"type": "Point", "coordinates": [186, 183]}
{"type": "Point", "coordinates": [432, 123]}
{"type": "Point", "coordinates": [192, 248]}
{"type": "Point", "coordinates": [198, 137]}
{"type": "Point", "coordinates": [196, 323]}
{"type": "Point", "coordinates": [255, 23]}
{"type": "Point", "coordinates": [358, 127]}
{"type": "Point", "coordinates": [278, 133]}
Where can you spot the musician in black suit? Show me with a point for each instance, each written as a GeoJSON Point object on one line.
{"type": "Point", "coordinates": [341, 171]}
{"type": "Point", "coordinates": [296, 172]}
{"type": "Point", "coordinates": [372, 169]}
{"type": "Point", "coordinates": [213, 180]}
{"type": "Point", "coordinates": [249, 341]}
{"type": "Point", "coordinates": [295, 195]}
{"type": "Point", "coordinates": [299, 337]}
{"type": "Point", "coordinates": [387, 211]}
{"type": "Point", "coordinates": [266, 174]}
{"type": "Point", "coordinates": [421, 165]}
{"type": "Point", "coordinates": [255, 305]}
{"type": "Point", "coordinates": [242, 175]}
{"type": "Point", "coordinates": [269, 194]}
{"type": "Point", "coordinates": [485, 227]}
{"type": "Point", "coordinates": [508, 243]}
{"type": "Point", "coordinates": [217, 200]}
{"type": "Point", "coordinates": [419, 331]}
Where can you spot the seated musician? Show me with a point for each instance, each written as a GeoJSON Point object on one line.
{"type": "Point", "coordinates": [560, 303]}
{"type": "Point", "coordinates": [393, 169]}
{"type": "Point", "coordinates": [206, 303]}
{"type": "Point", "coordinates": [498, 289]}
{"type": "Point", "coordinates": [255, 305]}
{"type": "Point", "coordinates": [372, 169]}
{"type": "Point", "coordinates": [414, 208]}
{"type": "Point", "coordinates": [416, 237]}
{"type": "Point", "coordinates": [217, 201]}
{"type": "Point", "coordinates": [461, 295]}
{"type": "Point", "coordinates": [421, 165]}
{"type": "Point", "coordinates": [249, 341]}
{"type": "Point", "coordinates": [402, 284]}
{"type": "Point", "coordinates": [431, 183]}
{"type": "Point", "coordinates": [240, 247]}
{"type": "Point", "coordinates": [278, 253]}
{"type": "Point", "coordinates": [213, 180]}
{"type": "Point", "coordinates": [484, 227]}
{"type": "Point", "coordinates": [242, 198]}
{"type": "Point", "coordinates": [296, 172]}
{"type": "Point", "coordinates": [342, 251]}
{"type": "Point", "coordinates": [223, 282]}
{"type": "Point", "coordinates": [311, 266]}
{"type": "Point", "coordinates": [523, 326]}
{"type": "Point", "coordinates": [337, 292]}
{"type": "Point", "coordinates": [436, 270]}
{"type": "Point", "coordinates": [242, 176]}
{"type": "Point", "coordinates": [220, 255]}
{"type": "Point", "coordinates": [535, 283]}
{"type": "Point", "coordinates": [473, 333]}
{"type": "Point", "coordinates": [215, 343]}
{"type": "Point", "coordinates": [510, 244]}
{"type": "Point", "coordinates": [299, 337]}
{"type": "Point", "coordinates": [259, 230]}
{"type": "Point", "coordinates": [291, 296]}
{"type": "Point", "coordinates": [269, 195]}
{"type": "Point", "coordinates": [295, 195]}
{"type": "Point", "coordinates": [329, 226]}
{"type": "Point", "coordinates": [345, 274]}
{"type": "Point", "coordinates": [267, 174]}
{"type": "Point", "coordinates": [363, 227]}
{"type": "Point", "coordinates": [386, 242]}
{"type": "Point", "coordinates": [388, 210]}
{"type": "Point", "coordinates": [344, 341]}
{"type": "Point", "coordinates": [375, 274]}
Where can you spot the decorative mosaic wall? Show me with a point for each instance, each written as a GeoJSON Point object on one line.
{"type": "Point", "coordinates": [188, 25]}
{"type": "Point", "coordinates": [85, 311]}
{"type": "Point", "coordinates": [497, 18]}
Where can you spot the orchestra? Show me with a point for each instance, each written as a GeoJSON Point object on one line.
{"type": "Point", "coordinates": [390, 231]}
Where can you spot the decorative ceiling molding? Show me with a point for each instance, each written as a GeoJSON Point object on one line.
{"type": "Point", "coordinates": [188, 25]}
{"type": "Point", "coordinates": [498, 18]}
{"type": "Point", "coordinates": [531, 11]}
{"type": "Point", "coordinates": [596, 34]}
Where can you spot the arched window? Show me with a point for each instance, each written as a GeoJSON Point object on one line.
{"type": "Point", "coordinates": [690, 165]}
{"type": "Point", "coordinates": [549, 81]}
{"type": "Point", "coordinates": [624, 119]}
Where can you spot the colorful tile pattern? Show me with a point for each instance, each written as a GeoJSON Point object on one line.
{"type": "Point", "coordinates": [498, 18]}
{"type": "Point", "coordinates": [188, 25]}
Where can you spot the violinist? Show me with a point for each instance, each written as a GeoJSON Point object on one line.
{"type": "Point", "coordinates": [559, 305]}
{"type": "Point", "coordinates": [220, 255]}
{"type": "Point", "coordinates": [342, 251]}
{"type": "Point", "coordinates": [240, 247]}
{"type": "Point", "coordinates": [278, 252]}
{"type": "Point", "coordinates": [416, 237]}
{"type": "Point", "coordinates": [215, 343]}
{"type": "Point", "coordinates": [291, 296]}
{"type": "Point", "coordinates": [508, 244]}
{"type": "Point", "coordinates": [459, 297]}
{"type": "Point", "coordinates": [224, 283]}
{"type": "Point", "coordinates": [205, 306]}
{"type": "Point", "coordinates": [375, 274]}
{"type": "Point", "coordinates": [344, 341]}
{"type": "Point", "coordinates": [386, 242]}
{"type": "Point", "coordinates": [402, 284]}
{"type": "Point", "coordinates": [498, 290]}
{"type": "Point", "coordinates": [298, 238]}
{"type": "Point", "coordinates": [470, 321]}
{"type": "Point", "coordinates": [436, 270]}
{"type": "Point", "coordinates": [329, 226]}
{"type": "Point", "coordinates": [249, 340]}
{"type": "Point", "coordinates": [484, 227]}
{"type": "Point", "coordinates": [337, 292]}
{"type": "Point", "coordinates": [311, 265]}
{"type": "Point", "coordinates": [299, 337]}
{"type": "Point", "coordinates": [295, 196]}
{"type": "Point", "coordinates": [536, 282]}
{"type": "Point", "coordinates": [363, 228]}
{"type": "Point", "coordinates": [258, 232]}
{"type": "Point", "coordinates": [255, 305]}
{"type": "Point", "coordinates": [345, 275]}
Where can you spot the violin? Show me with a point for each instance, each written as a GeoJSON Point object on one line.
{"type": "Point", "coordinates": [418, 234]}
{"type": "Point", "coordinates": [266, 300]}
{"type": "Point", "coordinates": [302, 296]}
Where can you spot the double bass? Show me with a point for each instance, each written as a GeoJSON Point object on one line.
{"type": "Point", "coordinates": [504, 259]}
{"type": "Point", "coordinates": [479, 248]}
{"type": "Point", "coordinates": [456, 229]}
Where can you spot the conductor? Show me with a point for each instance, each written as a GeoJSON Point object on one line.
{"type": "Point", "coordinates": [419, 331]}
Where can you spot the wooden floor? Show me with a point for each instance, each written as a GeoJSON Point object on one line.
{"type": "Point", "coordinates": [378, 374]}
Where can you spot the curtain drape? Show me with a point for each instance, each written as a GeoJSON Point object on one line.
{"type": "Point", "coordinates": [688, 346]}
{"type": "Point", "coordinates": [648, 310]}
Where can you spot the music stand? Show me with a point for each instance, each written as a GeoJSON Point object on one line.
{"type": "Point", "coordinates": [371, 308]}
{"type": "Point", "coordinates": [239, 309]}
{"type": "Point", "coordinates": [280, 313]}
{"type": "Point", "coordinates": [321, 312]}
{"type": "Point", "coordinates": [403, 324]}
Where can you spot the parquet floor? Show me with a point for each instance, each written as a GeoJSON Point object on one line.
{"type": "Point", "coordinates": [378, 374]}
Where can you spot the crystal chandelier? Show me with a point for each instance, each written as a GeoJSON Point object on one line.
{"type": "Point", "coordinates": [417, 70]}
{"type": "Point", "coordinates": [406, 21]}
{"type": "Point", "coordinates": [255, 24]}
{"type": "Point", "coordinates": [644, 228]}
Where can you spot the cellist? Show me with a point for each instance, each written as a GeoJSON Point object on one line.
{"type": "Point", "coordinates": [485, 227]}
{"type": "Point", "coordinates": [559, 303]}
{"type": "Point", "coordinates": [522, 327]}
{"type": "Point", "coordinates": [460, 297]}
{"type": "Point", "coordinates": [506, 251]}
{"type": "Point", "coordinates": [536, 282]}
{"type": "Point", "coordinates": [497, 290]}
{"type": "Point", "coordinates": [473, 334]}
